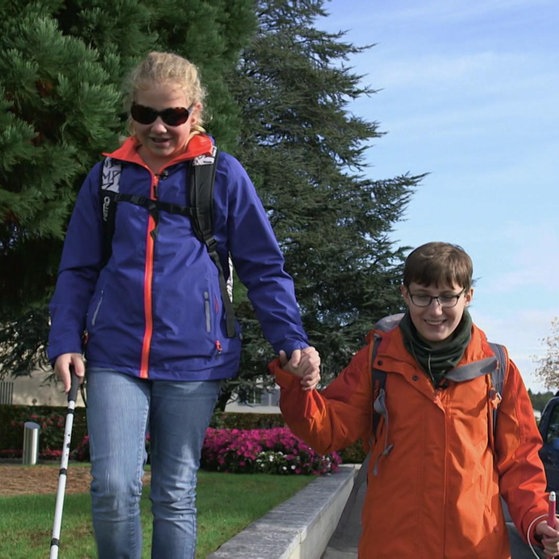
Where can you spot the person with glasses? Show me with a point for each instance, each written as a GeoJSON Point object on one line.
{"type": "Point", "coordinates": [437, 470]}
{"type": "Point", "coordinates": [152, 317]}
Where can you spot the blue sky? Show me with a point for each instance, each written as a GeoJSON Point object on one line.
{"type": "Point", "coordinates": [469, 92]}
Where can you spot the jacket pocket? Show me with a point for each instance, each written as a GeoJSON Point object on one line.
{"type": "Point", "coordinates": [207, 311]}
{"type": "Point", "coordinates": [95, 308]}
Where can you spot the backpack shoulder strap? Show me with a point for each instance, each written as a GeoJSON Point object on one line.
{"type": "Point", "coordinates": [500, 371]}
{"type": "Point", "coordinates": [202, 173]}
{"type": "Point", "coordinates": [202, 177]}
{"type": "Point", "coordinates": [498, 380]}
{"type": "Point", "coordinates": [379, 377]}
{"type": "Point", "coordinates": [108, 192]}
{"type": "Point", "coordinates": [379, 383]}
{"type": "Point", "coordinates": [495, 366]}
{"type": "Point", "coordinates": [203, 169]}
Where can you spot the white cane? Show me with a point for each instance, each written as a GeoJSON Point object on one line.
{"type": "Point", "coordinates": [72, 396]}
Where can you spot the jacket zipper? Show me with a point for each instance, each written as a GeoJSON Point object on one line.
{"type": "Point", "coordinates": [148, 284]}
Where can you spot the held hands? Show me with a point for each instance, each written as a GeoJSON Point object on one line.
{"type": "Point", "coordinates": [62, 368]}
{"type": "Point", "coordinates": [304, 363]}
{"type": "Point", "coordinates": [549, 538]}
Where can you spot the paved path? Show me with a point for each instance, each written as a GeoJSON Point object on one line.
{"type": "Point", "coordinates": [343, 543]}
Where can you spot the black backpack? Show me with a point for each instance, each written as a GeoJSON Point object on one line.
{"type": "Point", "coordinates": [202, 175]}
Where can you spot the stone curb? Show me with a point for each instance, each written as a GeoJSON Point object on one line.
{"type": "Point", "coordinates": [299, 528]}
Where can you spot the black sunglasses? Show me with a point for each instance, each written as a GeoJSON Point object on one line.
{"type": "Point", "coordinates": [172, 117]}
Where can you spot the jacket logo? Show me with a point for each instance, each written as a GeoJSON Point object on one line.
{"type": "Point", "coordinates": [106, 204]}
{"type": "Point", "coordinates": [111, 175]}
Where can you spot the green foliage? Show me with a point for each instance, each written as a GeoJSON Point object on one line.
{"type": "Point", "coordinates": [226, 503]}
{"type": "Point", "coordinates": [279, 93]}
{"type": "Point", "coordinates": [231, 420]}
{"type": "Point", "coordinates": [59, 107]}
{"type": "Point", "coordinates": [12, 419]}
{"type": "Point", "coordinates": [51, 420]}
{"type": "Point", "coordinates": [23, 339]}
{"type": "Point", "coordinates": [211, 34]}
{"type": "Point", "coordinates": [62, 64]}
{"type": "Point", "coordinates": [121, 32]}
{"type": "Point", "coordinates": [57, 97]}
{"type": "Point", "coordinates": [354, 454]}
{"type": "Point", "coordinates": [548, 368]}
{"type": "Point", "coordinates": [305, 150]}
{"type": "Point", "coordinates": [540, 399]}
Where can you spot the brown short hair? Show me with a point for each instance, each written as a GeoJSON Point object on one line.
{"type": "Point", "coordinates": [439, 263]}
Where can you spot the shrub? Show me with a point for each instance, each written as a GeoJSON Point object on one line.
{"type": "Point", "coordinates": [354, 454]}
{"type": "Point", "coordinates": [81, 452]}
{"type": "Point", "coordinates": [274, 450]}
{"type": "Point", "coordinates": [239, 420]}
{"type": "Point", "coordinates": [235, 442]}
{"type": "Point", "coordinates": [51, 421]}
{"type": "Point", "coordinates": [51, 435]}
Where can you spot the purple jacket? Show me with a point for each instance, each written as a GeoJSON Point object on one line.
{"type": "Point", "coordinates": [155, 309]}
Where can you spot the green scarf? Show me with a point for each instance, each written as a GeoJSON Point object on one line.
{"type": "Point", "coordinates": [437, 359]}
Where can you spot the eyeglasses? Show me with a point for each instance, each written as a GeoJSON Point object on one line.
{"type": "Point", "coordinates": [174, 116]}
{"type": "Point", "coordinates": [445, 301]}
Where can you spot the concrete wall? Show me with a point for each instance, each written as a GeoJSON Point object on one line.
{"type": "Point", "coordinates": [33, 390]}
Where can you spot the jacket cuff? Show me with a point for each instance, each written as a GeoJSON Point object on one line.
{"type": "Point", "coordinates": [284, 379]}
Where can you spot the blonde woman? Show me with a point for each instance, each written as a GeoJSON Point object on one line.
{"type": "Point", "coordinates": [156, 343]}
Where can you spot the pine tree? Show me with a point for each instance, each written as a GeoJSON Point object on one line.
{"type": "Point", "coordinates": [58, 114]}
{"type": "Point", "coordinates": [62, 64]}
{"type": "Point", "coordinates": [210, 33]}
{"type": "Point", "coordinates": [305, 151]}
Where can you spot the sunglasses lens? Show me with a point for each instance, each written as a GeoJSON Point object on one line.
{"type": "Point", "coordinates": [143, 115]}
{"type": "Point", "coordinates": [172, 117]}
{"type": "Point", "coordinates": [175, 117]}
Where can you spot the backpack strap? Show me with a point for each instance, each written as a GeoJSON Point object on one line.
{"type": "Point", "coordinates": [472, 370]}
{"type": "Point", "coordinates": [496, 366]}
{"type": "Point", "coordinates": [499, 373]}
{"type": "Point", "coordinates": [379, 377]}
{"type": "Point", "coordinates": [110, 196]}
{"type": "Point", "coordinates": [108, 193]}
{"type": "Point", "coordinates": [498, 376]}
{"type": "Point", "coordinates": [202, 177]}
{"type": "Point", "coordinates": [379, 391]}
{"type": "Point", "coordinates": [201, 201]}
{"type": "Point", "coordinates": [379, 383]}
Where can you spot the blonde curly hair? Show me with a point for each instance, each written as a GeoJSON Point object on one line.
{"type": "Point", "coordinates": [166, 67]}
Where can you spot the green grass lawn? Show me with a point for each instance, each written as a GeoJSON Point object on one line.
{"type": "Point", "coordinates": [227, 503]}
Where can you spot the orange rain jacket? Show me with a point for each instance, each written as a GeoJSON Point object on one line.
{"type": "Point", "coordinates": [436, 494]}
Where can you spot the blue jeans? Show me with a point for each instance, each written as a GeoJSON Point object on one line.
{"type": "Point", "coordinates": [120, 410]}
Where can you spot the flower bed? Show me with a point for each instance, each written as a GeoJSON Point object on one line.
{"type": "Point", "coordinates": [274, 451]}
{"type": "Point", "coordinates": [262, 444]}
